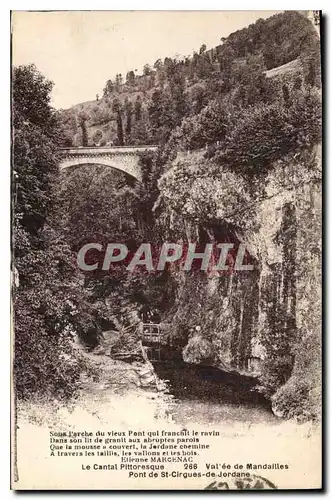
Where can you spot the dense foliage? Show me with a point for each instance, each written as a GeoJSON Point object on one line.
{"type": "Point", "coordinates": [104, 206]}
{"type": "Point", "coordinates": [45, 285]}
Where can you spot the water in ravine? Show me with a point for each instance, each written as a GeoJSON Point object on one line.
{"type": "Point", "coordinates": [204, 394]}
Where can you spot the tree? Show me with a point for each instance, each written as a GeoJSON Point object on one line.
{"type": "Point", "coordinates": [31, 99]}
{"type": "Point", "coordinates": [109, 88]}
{"type": "Point", "coordinates": [82, 123]}
{"type": "Point", "coordinates": [117, 109]}
{"type": "Point", "coordinates": [310, 60]}
{"type": "Point", "coordinates": [156, 109]}
{"type": "Point", "coordinates": [35, 146]}
{"type": "Point", "coordinates": [160, 73]}
{"type": "Point", "coordinates": [147, 70]}
{"type": "Point", "coordinates": [97, 137]}
{"type": "Point", "coordinates": [198, 98]}
{"type": "Point", "coordinates": [130, 78]}
{"type": "Point", "coordinates": [42, 312]}
{"type": "Point", "coordinates": [226, 57]}
{"type": "Point", "coordinates": [158, 64]}
{"type": "Point", "coordinates": [151, 81]}
{"type": "Point", "coordinates": [250, 81]}
{"type": "Point", "coordinates": [118, 82]}
{"type": "Point", "coordinates": [128, 108]}
{"type": "Point", "coordinates": [206, 128]}
{"type": "Point", "coordinates": [203, 65]}
{"type": "Point", "coordinates": [138, 109]}
{"type": "Point", "coordinates": [176, 82]}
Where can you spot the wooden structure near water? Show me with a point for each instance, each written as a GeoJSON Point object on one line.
{"type": "Point", "coordinates": [151, 340]}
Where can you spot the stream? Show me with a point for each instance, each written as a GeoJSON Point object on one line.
{"type": "Point", "coordinates": [207, 395]}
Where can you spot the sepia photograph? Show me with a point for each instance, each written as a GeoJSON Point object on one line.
{"type": "Point", "coordinates": [166, 250]}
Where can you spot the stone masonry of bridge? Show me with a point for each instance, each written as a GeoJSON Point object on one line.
{"type": "Point", "coordinates": [123, 158]}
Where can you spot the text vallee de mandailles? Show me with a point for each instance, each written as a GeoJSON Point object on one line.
{"type": "Point", "coordinates": [215, 257]}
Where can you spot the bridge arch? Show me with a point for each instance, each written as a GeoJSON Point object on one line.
{"type": "Point", "coordinates": [132, 170]}
{"type": "Point", "coordinates": [124, 159]}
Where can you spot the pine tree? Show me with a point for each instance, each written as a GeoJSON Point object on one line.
{"type": "Point", "coordinates": [117, 109]}
{"type": "Point", "coordinates": [128, 107]}
{"type": "Point", "coordinates": [138, 109]}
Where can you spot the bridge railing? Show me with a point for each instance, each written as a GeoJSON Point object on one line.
{"type": "Point", "coordinates": [150, 340]}
{"type": "Point", "coordinates": [108, 149]}
{"type": "Point", "coordinates": [150, 332]}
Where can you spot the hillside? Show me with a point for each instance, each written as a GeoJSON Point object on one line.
{"type": "Point", "coordinates": [145, 109]}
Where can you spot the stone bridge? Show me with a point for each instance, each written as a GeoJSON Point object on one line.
{"type": "Point", "coordinates": [123, 158]}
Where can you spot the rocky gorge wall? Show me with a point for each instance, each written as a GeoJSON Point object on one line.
{"type": "Point", "coordinates": [264, 322]}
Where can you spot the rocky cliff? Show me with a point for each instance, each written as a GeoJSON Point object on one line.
{"type": "Point", "coordinates": [264, 322]}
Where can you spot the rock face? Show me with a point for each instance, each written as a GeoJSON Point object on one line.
{"type": "Point", "coordinates": [108, 340]}
{"type": "Point", "coordinates": [262, 322]}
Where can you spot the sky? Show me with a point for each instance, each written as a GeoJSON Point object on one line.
{"type": "Point", "coordinates": [80, 50]}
